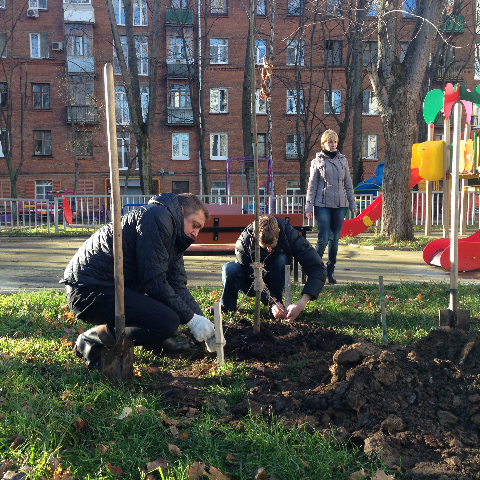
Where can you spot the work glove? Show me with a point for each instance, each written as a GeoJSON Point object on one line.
{"type": "Point", "coordinates": [211, 344]}
{"type": "Point", "coordinates": [201, 327]}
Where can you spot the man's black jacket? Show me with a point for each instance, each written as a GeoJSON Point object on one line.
{"type": "Point", "coordinates": [153, 240]}
{"type": "Point", "coordinates": [292, 244]}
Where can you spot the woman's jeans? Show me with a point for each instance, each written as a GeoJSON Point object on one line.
{"type": "Point", "coordinates": [329, 225]}
{"type": "Point", "coordinates": [236, 277]}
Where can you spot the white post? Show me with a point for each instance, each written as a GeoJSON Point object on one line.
{"type": "Point", "coordinates": [288, 288]}
{"type": "Point", "coordinates": [219, 339]}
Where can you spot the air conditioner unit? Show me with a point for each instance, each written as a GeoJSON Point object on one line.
{"type": "Point", "coordinates": [57, 46]}
{"type": "Point", "coordinates": [32, 12]}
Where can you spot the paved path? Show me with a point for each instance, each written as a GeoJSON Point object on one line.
{"type": "Point", "coordinates": [29, 263]}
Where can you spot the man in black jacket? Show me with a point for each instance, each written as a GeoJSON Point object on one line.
{"type": "Point", "coordinates": [157, 299]}
{"type": "Point", "coordinates": [279, 241]}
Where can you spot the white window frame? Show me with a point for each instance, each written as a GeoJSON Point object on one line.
{"type": "Point", "coordinates": [78, 1]}
{"type": "Point", "coordinates": [336, 96]}
{"type": "Point", "coordinates": [261, 7]}
{"type": "Point", "coordinates": [119, 11]}
{"type": "Point", "coordinates": [291, 147]}
{"type": "Point", "coordinates": [2, 155]}
{"type": "Point", "coordinates": [333, 56]}
{"type": "Point", "coordinates": [262, 136]}
{"type": "Point", "coordinates": [122, 113]}
{"type": "Point", "coordinates": [218, 7]}
{"type": "Point", "coordinates": [219, 51]}
{"type": "Point", "coordinates": [294, 7]}
{"type": "Point", "coordinates": [79, 39]}
{"type": "Point", "coordinates": [2, 3]}
{"type": "Point", "coordinates": [124, 145]}
{"type": "Point", "coordinates": [140, 13]}
{"type": "Point", "coordinates": [179, 4]}
{"type": "Point", "coordinates": [370, 53]}
{"type": "Point", "coordinates": [369, 103]}
{"type": "Point", "coordinates": [294, 192]}
{"type": "Point", "coordinates": [144, 101]}
{"type": "Point", "coordinates": [3, 44]}
{"type": "Point", "coordinates": [216, 103]}
{"type": "Point", "coordinates": [179, 96]}
{"type": "Point", "coordinates": [141, 48]}
{"type": "Point", "coordinates": [39, 42]}
{"type": "Point", "coordinates": [295, 52]}
{"type": "Point", "coordinates": [216, 138]}
{"type": "Point", "coordinates": [293, 105]}
{"type": "Point", "coordinates": [116, 64]}
{"type": "Point", "coordinates": [370, 146]}
{"type": "Point", "coordinates": [218, 191]}
{"type": "Point", "coordinates": [41, 189]}
{"type": "Point", "coordinates": [180, 146]}
{"type": "Point", "coordinates": [475, 116]}
{"type": "Point", "coordinates": [260, 51]}
{"type": "Point", "coordinates": [260, 103]}
{"type": "Point", "coordinates": [38, 4]}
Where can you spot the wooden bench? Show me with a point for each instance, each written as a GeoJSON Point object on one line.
{"type": "Point", "coordinates": [220, 233]}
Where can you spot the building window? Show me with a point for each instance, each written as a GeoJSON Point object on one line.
{"type": "Point", "coordinates": [261, 103]}
{"type": "Point", "coordinates": [6, 139]}
{"type": "Point", "coordinates": [80, 90]}
{"type": "Point", "coordinates": [477, 62]}
{"type": "Point", "coordinates": [122, 113]}
{"type": "Point", "coordinates": [262, 145]}
{"type": "Point", "coordinates": [123, 150]}
{"type": "Point", "coordinates": [42, 140]}
{"type": "Point", "coordinates": [140, 13]}
{"type": "Point", "coordinates": [180, 146]}
{"type": "Point", "coordinates": [293, 190]}
{"type": "Point", "coordinates": [218, 146]}
{"type": "Point", "coordinates": [179, 4]}
{"type": "Point", "coordinates": [179, 187]}
{"type": "Point", "coordinates": [144, 99]}
{"type": "Point", "coordinates": [78, 1]}
{"type": "Point", "coordinates": [294, 102]}
{"type": "Point", "coordinates": [116, 63]}
{"type": "Point", "coordinates": [218, 100]}
{"type": "Point", "coordinates": [475, 116]}
{"type": "Point", "coordinates": [38, 45]}
{"type": "Point", "coordinates": [295, 52]}
{"type": "Point", "coordinates": [294, 7]}
{"type": "Point", "coordinates": [332, 102]}
{"type": "Point", "coordinates": [373, 9]}
{"type": "Point", "coordinates": [79, 38]}
{"type": "Point", "coordinates": [260, 51]}
{"type": "Point", "coordinates": [83, 144]}
{"type": "Point", "coordinates": [370, 106]}
{"type": "Point", "coordinates": [3, 44]}
{"type": "Point", "coordinates": [2, 3]}
{"type": "Point", "coordinates": [403, 50]}
{"type": "Point", "coordinates": [409, 7]}
{"type": "Point", "coordinates": [41, 4]}
{"type": "Point", "coordinates": [333, 52]}
{"type": "Point", "coordinates": [370, 53]}
{"type": "Point", "coordinates": [179, 96]}
{"type": "Point", "coordinates": [218, 50]}
{"type": "Point", "coordinates": [141, 47]}
{"type": "Point", "coordinates": [41, 95]}
{"type": "Point", "coordinates": [42, 187]}
{"type": "Point", "coordinates": [370, 146]}
{"type": "Point", "coordinates": [218, 190]}
{"type": "Point", "coordinates": [180, 45]}
{"type": "Point", "coordinates": [218, 7]}
{"type": "Point", "coordinates": [261, 7]}
{"type": "Point", "coordinates": [119, 11]}
{"type": "Point", "coordinates": [3, 94]}
{"type": "Point", "coordinates": [334, 7]}
{"type": "Point", "coordinates": [292, 151]}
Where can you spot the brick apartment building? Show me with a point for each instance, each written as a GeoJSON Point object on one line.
{"type": "Point", "coordinates": [55, 55]}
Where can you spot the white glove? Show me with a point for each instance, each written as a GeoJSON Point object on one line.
{"type": "Point", "coordinates": [211, 344]}
{"type": "Point", "coordinates": [201, 327]}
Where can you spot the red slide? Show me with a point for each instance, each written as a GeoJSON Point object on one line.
{"type": "Point", "coordinates": [437, 253]}
{"type": "Point", "coordinates": [372, 213]}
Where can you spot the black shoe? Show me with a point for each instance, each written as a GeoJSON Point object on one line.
{"type": "Point", "coordinates": [105, 336]}
{"type": "Point", "coordinates": [168, 346]}
{"type": "Point", "coordinates": [331, 280]}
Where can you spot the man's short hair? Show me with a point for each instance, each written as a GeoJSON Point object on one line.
{"type": "Point", "coordinates": [192, 204]}
{"type": "Point", "coordinates": [269, 230]}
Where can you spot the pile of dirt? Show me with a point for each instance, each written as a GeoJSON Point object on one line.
{"type": "Point", "coordinates": [416, 407]}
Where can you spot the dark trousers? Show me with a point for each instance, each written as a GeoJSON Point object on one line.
{"type": "Point", "coordinates": [147, 321]}
{"type": "Point", "coordinates": [236, 277]}
{"type": "Point", "coordinates": [329, 226]}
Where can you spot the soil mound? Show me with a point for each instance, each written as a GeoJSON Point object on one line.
{"type": "Point", "coordinates": [416, 407]}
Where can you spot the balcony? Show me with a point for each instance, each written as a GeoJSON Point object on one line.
{"type": "Point", "coordinates": [451, 74]}
{"type": "Point", "coordinates": [178, 70]}
{"type": "Point", "coordinates": [179, 116]}
{"type": "Point", "coordinates": [452, 24]}
{"type": "Point", "coordinates": [183, 16]}
{"type": "Point", "coordinates": [82, 114]}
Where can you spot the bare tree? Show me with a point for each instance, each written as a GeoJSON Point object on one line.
{"type": "Point", "coordinates": [397, 85]}
{"type": "Point", "coordinates": [142, 126]}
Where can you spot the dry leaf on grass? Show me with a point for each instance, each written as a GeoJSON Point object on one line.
{"type": "Point", "coordinates": [216, 474]}
{"type": "Point", "coordinates": [358, 475]}
{"type": "Point", "coordinates": [261, 474]}
{"type": "Point", "coordinates": [173, 430]}
{"type": "Point", "coordinates": [115, 470]}
{"type": "Point", "coordinates": [140, 409]}
{"type": "Point", "coordinates": [183, 436]}
{"type": "Point", "coordinates": [103, 449]}
{"type": "Point", "coordinates": [125, 413]}
{"type": "Point", "coordinates": [153, 370]}
{"type": "Point", "coordinates": [16, 440]}
{"type": "Point", "coordinates": [159, 463]}
{"type": "Point", "coordinates": [195, 471]}
{"type": "Point", "coordinates": [381, 475]}
{"type": "Point", "coordinates": [231, 458]}
{"type": "Point", "coordinates": [60, 474]}
{"type": "Point", "coordinates": [80, 424]}
{"type": "Point", "coordinates": [174, 449]}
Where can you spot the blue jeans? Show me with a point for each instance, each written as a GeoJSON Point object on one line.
{"type": "Point", "coordinates": [329, 225]}
{"type": "Point", "coordinates": [236, 277]}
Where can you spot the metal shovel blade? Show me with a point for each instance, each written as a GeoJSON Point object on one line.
{"type": "Point", "coordinates": [117, 363]}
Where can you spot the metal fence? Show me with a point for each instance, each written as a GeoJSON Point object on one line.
{"type": "Point", "coordinates": [90, 212]}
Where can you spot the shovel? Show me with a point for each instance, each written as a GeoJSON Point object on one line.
{"type": "Point", "coordinates": [117, 360]}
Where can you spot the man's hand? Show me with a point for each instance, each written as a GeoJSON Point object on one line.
{"type": "Point", "coordinates": [278, 311]}
{"type": "Point", "coordinates": [309, 215]}
{"type": "Point", "coordinates": [295, 309]}
{"type": "Point", "coordinates": [201, 328]}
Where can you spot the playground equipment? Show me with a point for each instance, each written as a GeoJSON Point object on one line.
{"type": "Point", "coordinates": [372, 185]}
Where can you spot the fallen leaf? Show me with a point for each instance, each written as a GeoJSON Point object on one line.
{"type": "Point", "coordinates": [140, 409]}
{"type": "Point", "coordinates": [183, 436]}
{"type": "Point", "coordinates": [419, 296]}
{"type": "Point", "coordinates": [153, 370]}
{"type": "Point", "coordinates": [305, 464]}
{"type": "Point", "coordinates": [80, 424]}
{"type": "Point", "coordinates": [125, 413]}
{"type": "Point", "coordinates": [80, 329]}
{"type": "Point", "coordinates": [16, 440]}
{"type": "Point", "coordinates": [60, 474]}
{"type": "Point", "coordinates": [174, 449]}
{"type": "Point", "coordinates": [173, 430]}
{"type": "Point", "coordinates": [65, 395]}
{"type": "Point", "coordinates": [261, 474]}
{"type": "Point", "coordinates": [409, 334]}
{"type": "Point", "coordinates": [2, 416]}
{"type": "Point", "coordinates": [159, 463]}
{"type": "Point", "coordinates": [357, 475]}
{"type": "Point", "coordinates": [381, 475]}
{"type": "Point", "coordinates": [115, 470]}
{"type": "Point", "coordinates": [191, 412]}
{"type": "Point", "coordinates": [195, 471]}
{"type": "Point", "coordinates": [216, 474]}
{"type": "Point", "coordinates": [231, 458]}
{"type": "Point", "coordinates": [103, 449]}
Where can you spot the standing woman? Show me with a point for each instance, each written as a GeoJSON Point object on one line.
{"type": "Point", "coordinates": [329, 194]}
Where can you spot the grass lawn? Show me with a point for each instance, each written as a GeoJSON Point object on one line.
{"type": "Point", "coordinates": [59, 421]}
